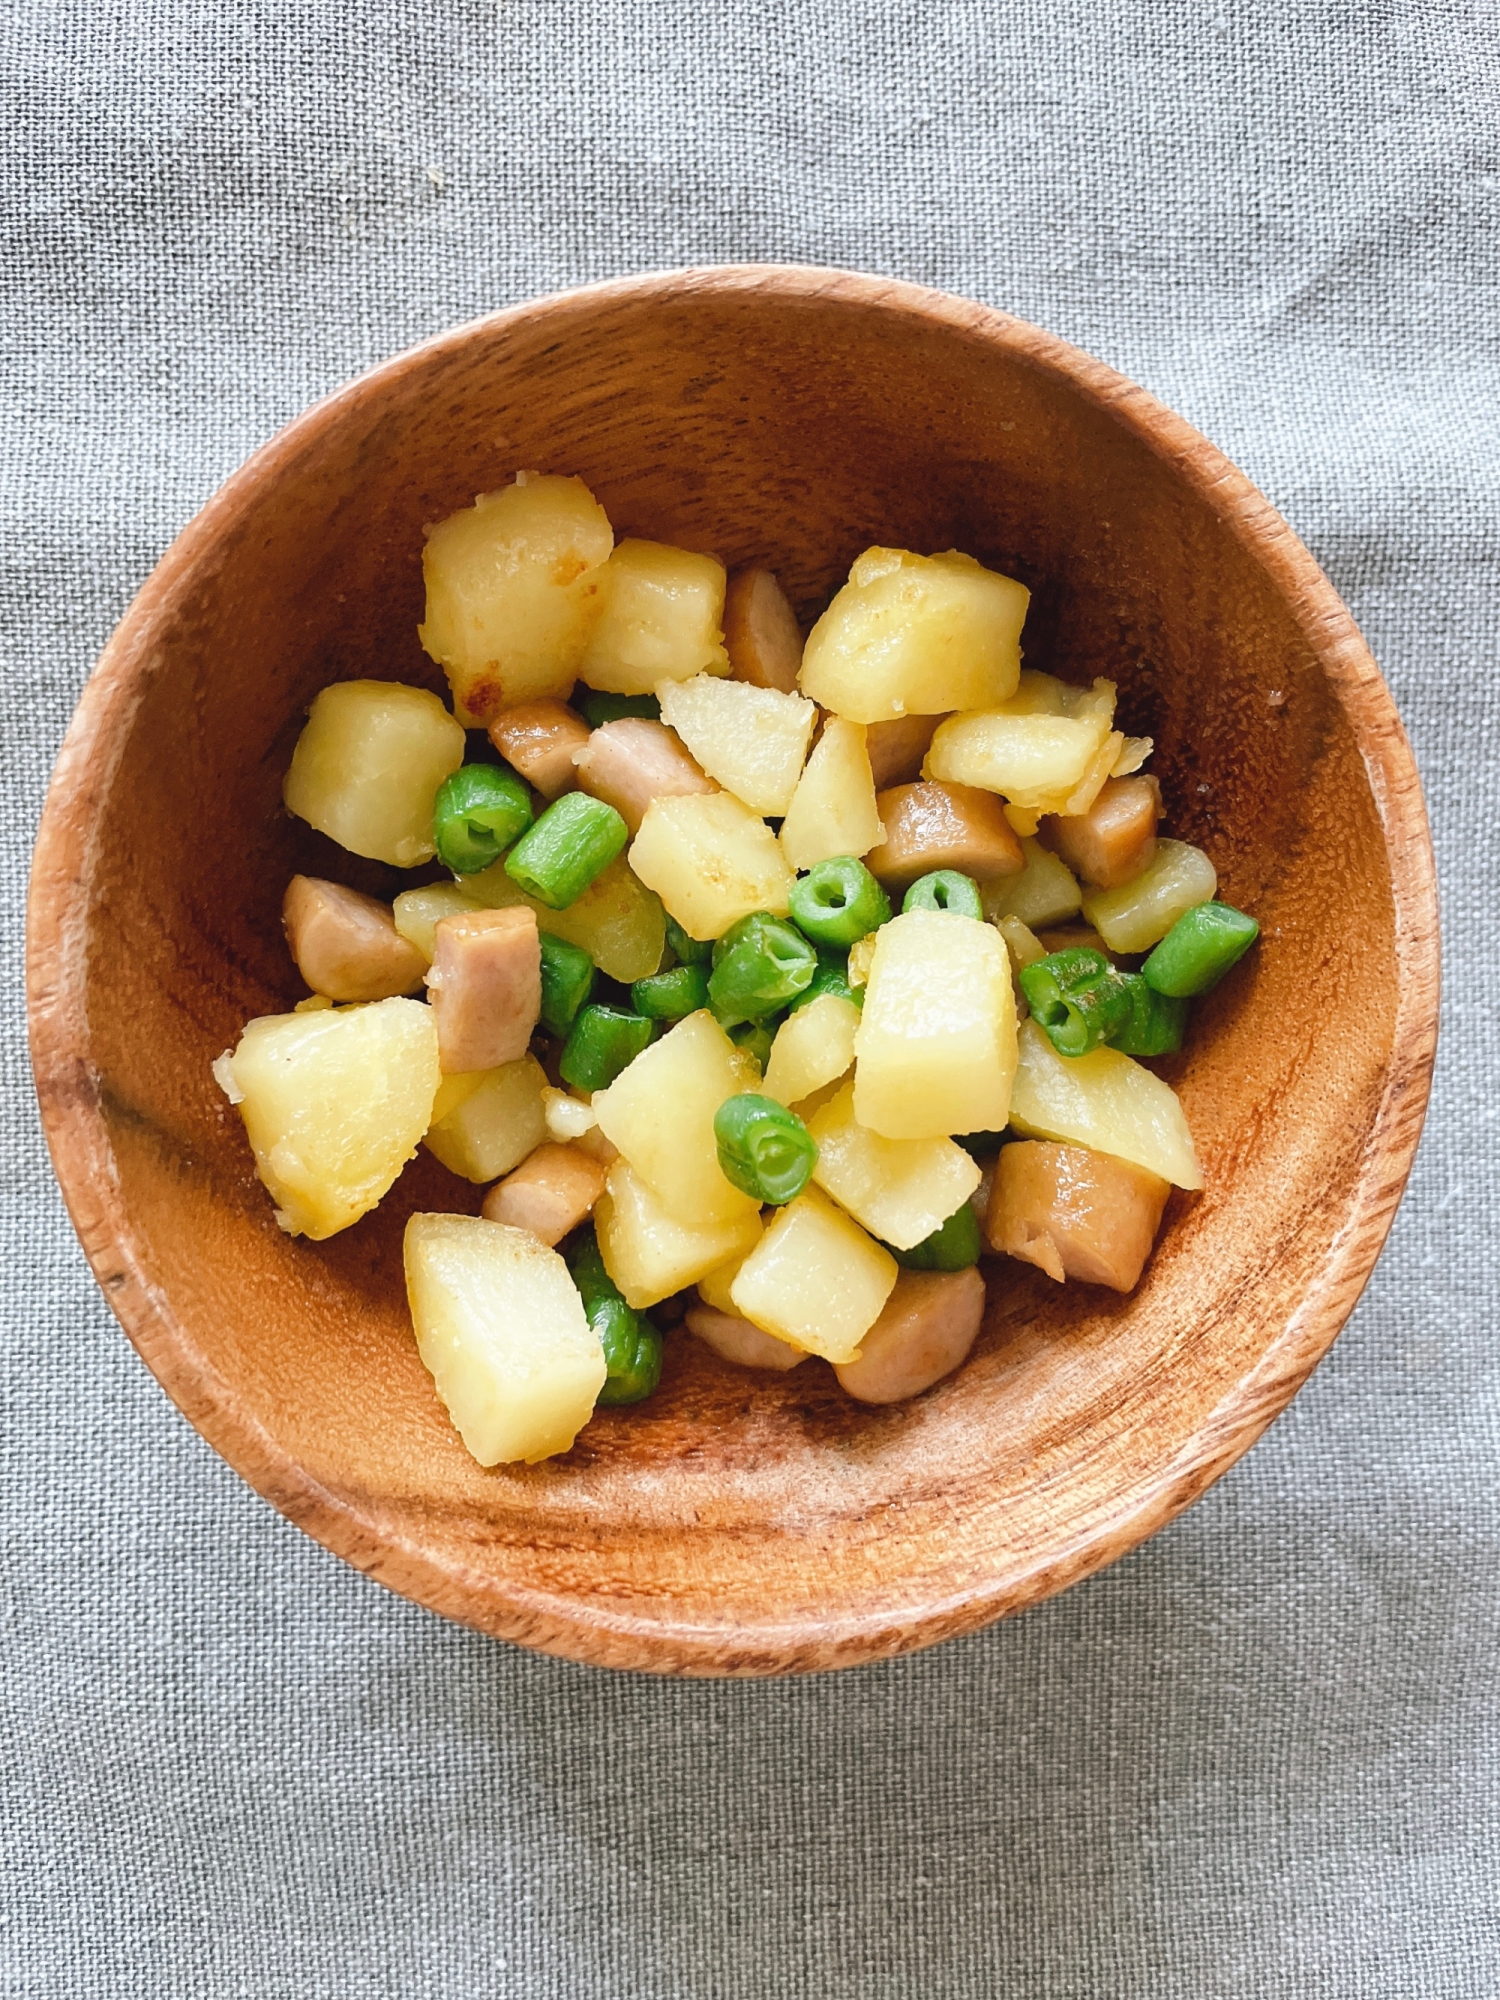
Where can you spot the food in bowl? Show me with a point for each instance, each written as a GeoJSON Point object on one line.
{"type": "Point", "coordinates": [767, 987]}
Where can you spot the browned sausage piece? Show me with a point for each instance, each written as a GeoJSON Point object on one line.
{"type": "Point", "coordinates": [925, 1331]}
{"type": "Point", "coordinates": [485, 983]}
{"type": "Point", "coordinates": [550, 1193]}
{"type": "Point", "coordinates": [931, 826]}
{"type": "Point", "coordinates": [741, 1341]}
{"type": "Point", "coordinates": [631, 762]}
{"type": "Point", "coordinates": [761, 633]}
{"type": "Point", "coordinates": [540, 738]}
{"type": "Point", "coordinates": [1075, 1213]}
{"type": "Point", "coordinates": [346, 945]}
{"type": "Point", "coordinates": [896, 749]}
{"type": "Point", "coordinates": [1114, 839]}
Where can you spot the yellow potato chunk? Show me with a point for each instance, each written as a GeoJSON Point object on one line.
{"type": "Point", "coordinates": [752, 739]}
{"type": "Point", "coordinates": [713, 1286]}
{"type": "Point", "coordinates": [833, 810]}
{"type": "Point", "coordinates": [901, 1190]}
{"type": "Point", "coordinates": [936, 1046]}
{"type": "Point", "coordinates": [660, 613]}
{"type": "Point", "coordinates": [1044, 893]}
{"type": "Point", "coordinates": [502, 1330]}
{"type": "Point", "coordinates": [711, 860]}
{"type": "Point", "coordinates": [916, 635]}
{"type": "Point", "coordinates": [660, 1110]}
{"type": "Point", "coordinates": [617, 920]}
{"type": "Point", "coordinates": [367, 767]}
{"type": "Point", "coordinates": [1103, 1100]}
{"type": "Point", "coordinates": [418, 912]}
{"type": "Point", "coordinates": [335, 1102]}
{"type": "Point", "coordinates": [486, 1121]}
{"type": "Point", "coordinates": [815, 1279]}
{"type": "Point", "coordinates": [814, 1046]}
{"type": "Point", "coordinates": [648, 1252]}
{"type": "Point", "coordinates": [1048, 749]}
{"type": "Point", "coordinates": [513, 590]}
{"type": "Point", "coordinates": [1141, 911]}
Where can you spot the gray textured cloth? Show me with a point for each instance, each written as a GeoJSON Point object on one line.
{"type": "Point", "coordinates": [1256, 1759]}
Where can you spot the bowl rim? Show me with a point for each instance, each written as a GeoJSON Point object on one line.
{"type": "Point", "coordinates": [590, 1630]}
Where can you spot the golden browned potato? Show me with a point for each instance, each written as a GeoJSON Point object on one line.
{"type": "Point", "coordinates": [346, 945]}
{"type": "Point", "coordinates": [550, 1193]}
{"type": "Point", "coordinates": [486, 986]}
{"type": "Point", "coordinates": [633, 761]}
{"type": "Point", "coordinates": [1075, 1213]}
{"type": "Point", "coordinates": [761, 633]}
{"type": "Point", "coordinates": [540, 738]}
{"type": "Point", "coordinates": [924, 1333]}
{"type": "Point", "coordinates": [930, 826]}
{"type": "Point", "coordinates": [1115, 839]}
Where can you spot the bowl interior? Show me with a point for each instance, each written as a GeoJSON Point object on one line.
{"type": "Point", "coordinates": [737, 1522]}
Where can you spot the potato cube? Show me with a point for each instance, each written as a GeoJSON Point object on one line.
{"type": "Point", "coordinates": [633, 761]}
{"type": "Point", "coordinates": [736, 1340]}
{"type": "Point", "coordinates": [714, 1286]}
{"type": "Point", "coordinates": [346, 945]}
{"type": "Point", "coordinates": [617, 920]}
{"type": "Point", "coordinates": [513, 590]}
{"type": "Point", "coordinates": [490, 1120]}
{"type": "Point", "coordinates": [335, 1103]}
{"type": "Point", "coordinates": [752, 739]}
{"type": "Point", "coordinates": [550, 1193]}
{"type": "Point", "coordinates": [814, 1046]}
{"type": "Point", "coordinates": [815, 1279]}
{"type": "Point", "coordinates": [833, 810]}
{"type": "Point", "coordinates": [1044, 750]}
{"type": "Point", "coordinates": [929, 826]}
{"type": "Point", "coordinates": [539, 739]}
{"type": "Point", "coordinates": [936, 1046]}
{"type": "Point", "coordinates": [901, 1190]}
{"type": "Point", "coordinates": [1103, 1100]}
{"type": "Point", "coordinates": [1043, 893]}
{"type": "Point", "coordinates": [761, 633]}
{"type": "Point", "coordinates": [417, 913]}
{"type": "Point", "coordinates": [367, 767]}
{"type": "Point", "coordinates": [1075, 1213]}
{"type": "Point", "coordinates": [502, 1330]}
{"type": "Point", "coordinates": [650, 1254]}
{"type": "Point", "coordinates": [916, 635]}
{"type": "Point", "coordinates": [924, 1333]}
{"type": "Point", "coordinates": [660, 1110]}
{"type": "Point", "coordinates": [659, 620]}
{"type": "Point", "coordinates": [712, 861]}
{"type": "Point", "coordinates": [1139, 914]}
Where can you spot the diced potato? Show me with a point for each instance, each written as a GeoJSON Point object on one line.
{"type": "Point", "coordinates": [367, 767]}
{"type": "Point", "coordinates": [539, 739]}
{"type": "Point", "coordinates": [1023, 944]}
{"type": "Point", "coordinates": [418, 912]}
{"type": "Point", "coordinates": [513, 591]}
{"type": "Point", "coordinates": [861, 958]}
{"type": "Point", "coordinates": [936, 1045]}
{"type": "Point", "coordinates": [334, 1103]}
{"type": "Point", "coordinates": [345, 944]}
{"type": "Point", "coordinates": [1075, 1213]}
{"type": "Point", "coordinates": [660, 1110]}
{"type": "Point", "coordinates": [659, 620]}
{"type": "Point", "coordinates": [492, 1120]}
{"type": "Point", "coordinates": [633, 761]}
{"type": "Point", "coordinates": [1141, 912]}
{"type": "Point", "coordinates": [714, 1286]}
{"type": "Point", "coordinates": [617, 920]}
{"type": "Point", "coordinates": [901, 1190]}
{"type": "Point", "coordinates": [550, 1193]}
{"type": "Point", "coordinates": [1103, 1100]}
{"type": "Point", "coordinates": [736, 1340]}
{"type": "Point", "coordinates": [1133, 753]}
{"type": "Point", "coordinates": [833, 810]}
{"type": "Point", "coordinates": [752, 739]}
{"type": "Point", "coordinates": [916, 635]}
{"type": "Point", "coordinates": [1044, 750]}
{"type": "Point", "coordinates": [502, 1330]}
{"type": "Point", "coordinates": [761, 633]}
{"type": "Point", "coordinates": [815, 1279]}
{"type": "Point", "coordinates": [1043, 893]}
{"type": "Point", "coordinates": [567, 1117]}
{"type": "Point", "coordinates": [897, 748]}
{"type": "Point", "coordinates": [711, 860]}
{"type": "Point", "coordinates": [930, 825]}
{"type": "Point", "coordinates": [924, 1333]}
{"type": "Point", "coordinates": [814, 1046]}
{"type": "Point", "coordinates": [648, 1253]}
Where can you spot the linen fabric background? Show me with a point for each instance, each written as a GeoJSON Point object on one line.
{"type": "Point", "coordinates": [1258, 1758]}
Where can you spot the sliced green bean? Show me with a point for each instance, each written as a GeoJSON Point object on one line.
{"type": "Point", "coordinates": [567, 981]}
{"type": "Point", "coordinates": [1199, 949]}
{"type": "Point", "coordinates": [572, 843]}
{"type": "Point", "coordinates": [838, 902]}
{"type": "Point", "coordinates": [759, 965]}
{"type": "Point", "coordinates": [670, 996]}
{"type": "Point", "coordinates": [945, 889]}
{"type": "Point", "coordinates": [602, 1042]}
{"type": "Point", "coordinates": [687, 950]}
{"type": "Point", "coordinates": [597, 709]}
{"type": "Point", "coordinates": [1076, 997]}
{"type": "Point", "coordinates": [764, 1149]}
{"type": "Point", "coordinates": [1155, 1023]}
{"type": "Point", "coordinates": [478, 812]}
{"type": "Point", "coordinates": [953, 1246]}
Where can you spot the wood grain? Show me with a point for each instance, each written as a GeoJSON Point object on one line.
{"type": "Point", "coordinates": [741, 1524]}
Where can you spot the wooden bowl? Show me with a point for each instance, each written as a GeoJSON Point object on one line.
{"type": "Point", "coordinates": [740, 1523]}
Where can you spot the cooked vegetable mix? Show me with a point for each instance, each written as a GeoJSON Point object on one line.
{"type": "Point", "coordinates": [817, 1068]}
